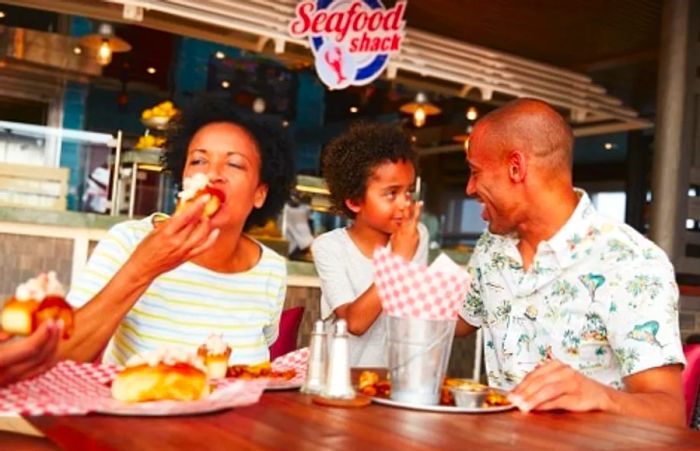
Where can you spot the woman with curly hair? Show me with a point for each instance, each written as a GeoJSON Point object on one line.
{"type": "Point", "coordinates": [175, 280]}
{"type": "Point", "coordinates": [371, 175]}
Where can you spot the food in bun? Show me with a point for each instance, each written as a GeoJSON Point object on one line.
{"type": "Point", "coordinates": [18, 316]}
{"type": "Point", "coordinates": [196, 186]}
{"type": "Point", "coordinates": [167, 373]}
{"type": "Point", "coordinates": [215, 354]}
{"type": "Point", "coordinates": [35, 301]}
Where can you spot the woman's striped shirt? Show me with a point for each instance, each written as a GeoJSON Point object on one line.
{"type": "Point", "coordinates": [183, 306]}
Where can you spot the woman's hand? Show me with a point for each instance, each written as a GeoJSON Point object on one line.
{"type": "Point", "coordinates": [404, 241]}
{"type": "Point", "coordinates": [174, 241]}
{"type": "Point", "coordinates": [29, 356]}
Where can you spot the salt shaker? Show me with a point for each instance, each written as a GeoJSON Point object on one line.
{"type": "Point", "coordinates": [338, 383]}
{"type": "Point", "coordinates": [316, 368]}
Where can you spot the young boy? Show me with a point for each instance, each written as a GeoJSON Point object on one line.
{"type": "Point", "coordinates": [371, 176]}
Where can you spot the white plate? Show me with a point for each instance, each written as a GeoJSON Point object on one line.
{"type": "Point", "coordinates": [163, 408]}
{"type": "Point", "coordinates": [294, 383]}
{"type": "Point", "coordinates": [277, 384]}
{"type": "Point", "coordinates": [233, 394]}
{"type": "Point", "coordinates": [283, 385]}
{"type": "Point", "coordinates": [440, 408]}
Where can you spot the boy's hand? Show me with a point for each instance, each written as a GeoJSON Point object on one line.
{"type": "Point", "coordinates": [404, 241]}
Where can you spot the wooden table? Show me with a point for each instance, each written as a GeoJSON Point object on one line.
{"type": "Point", "coordinates": [290, 420]}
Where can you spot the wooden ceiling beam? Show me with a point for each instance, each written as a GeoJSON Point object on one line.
{"type": "Point", "coordinates": [617, 61]}
{"type": "Point", "coordinates": [158, 21]}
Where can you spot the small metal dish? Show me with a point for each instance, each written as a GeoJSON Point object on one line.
{"type": "Point", "coordinates": [469, 396]}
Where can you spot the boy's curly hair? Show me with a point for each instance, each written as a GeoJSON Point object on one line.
{"type": "Point", "coordinates": [348, 160]}
{"type": "Point", "coordinates": [273, 142]}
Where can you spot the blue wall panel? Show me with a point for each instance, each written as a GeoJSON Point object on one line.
{"type": "Point", "coordinates": [72, 154]}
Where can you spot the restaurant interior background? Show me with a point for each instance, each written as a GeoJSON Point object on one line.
{"type": "Point", "coordinates": [50, 76]}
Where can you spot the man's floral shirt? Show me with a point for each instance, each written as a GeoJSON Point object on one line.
{"type": "Point", "coordinates": [598, 296]}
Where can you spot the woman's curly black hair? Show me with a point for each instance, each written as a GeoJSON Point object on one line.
{"type": "Point", "coordinates": [348, 160]}
{"type": "Point", "coordinates": [273, 142]}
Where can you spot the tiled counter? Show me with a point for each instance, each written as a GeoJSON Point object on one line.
{"type": "Point", "coordinates": [32, 241]}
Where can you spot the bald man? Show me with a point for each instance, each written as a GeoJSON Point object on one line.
{"type": "Point", "coordinates": [578, 312]}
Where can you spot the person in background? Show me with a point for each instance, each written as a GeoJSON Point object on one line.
{"type": "Point", "coordinates": [371, 176]}
{"type": "Point", "coordinates": [296, 226]}
{"type": "Point", "coordinates": [151, 283]}
{"type": "Point", "coordinates": [578, 312]}
{"type": "Point", "coordinates": [95, 197]}
{"type": "Point", "coordinates": [27, 357]}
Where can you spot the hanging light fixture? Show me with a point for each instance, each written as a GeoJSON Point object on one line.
{"type": "Point", "coordinates": [105, 43]}
{"type": "Point", "coordinates": [472, 113]}
{"type": "Point", "coordinates": [419, 117]}
{"type": "Point", "coordinates": [420, 108]}
{"type": "Point", "coordinates": [259, 105]}
{"type": "Point", "coordinates": [463, 137]}
{"type": "Point", "coordinates": [104, 53]}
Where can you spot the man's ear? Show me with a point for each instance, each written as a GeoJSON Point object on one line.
{"type": "Point", "coordinates": [517, 166]}
{"type": "Point", "coordinates": [260, 195]}
{"type": "Point", "coordinates": [353, 205]}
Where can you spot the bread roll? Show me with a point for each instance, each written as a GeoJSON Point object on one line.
{"type": "Point", "coordinates": [36, 301]}
{"type": "Point", "coordinates": [179, 382]}
{"type": "Point", "coordinates": [17, 317]}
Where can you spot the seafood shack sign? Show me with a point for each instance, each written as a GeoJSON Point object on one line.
{"type": "Point", "coordinates": [352, 40]}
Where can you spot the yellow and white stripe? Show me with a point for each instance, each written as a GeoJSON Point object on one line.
{"type": "Point", "coordinates": [183, 306]}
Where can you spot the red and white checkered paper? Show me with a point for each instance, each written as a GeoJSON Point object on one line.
{"type": "Point", "coordinates": [72, 388]}
{"type": "Point", "coordinates": [411, 290]}
{"type": "Point", "coordinates": [296, 359]}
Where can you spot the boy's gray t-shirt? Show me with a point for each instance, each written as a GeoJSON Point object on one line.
{"type": "Point", "coordinates": [345, 274]}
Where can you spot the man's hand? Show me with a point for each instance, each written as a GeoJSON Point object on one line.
{"type": "Point", "coordinates": [404, 241]}
{"type": "Point", "coordinates": [29, 356]}
{"type": "Point", "coordinates": [174, 241]}
{"type": "Point", "coordinates": [555, 385]}
{"type": "Point", "coordinates": [655, 394]}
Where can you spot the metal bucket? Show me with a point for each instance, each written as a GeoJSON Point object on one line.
{"type": "Point", "coordinates": [419, 351]}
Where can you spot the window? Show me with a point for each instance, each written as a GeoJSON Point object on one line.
{"type": "Point", "coordinates": [610, 204]}
{"type": "Point", "coordinates": [471, 221]}
{"type": "Point", "coordinates": [463, 223]}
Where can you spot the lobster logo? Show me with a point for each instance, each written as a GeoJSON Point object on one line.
{"type": "Point", "coordinates": [334, 59]}
{"type": "Point", "coordinates": [351, 40]}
